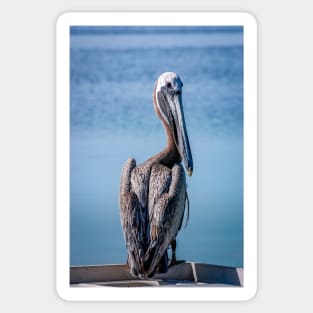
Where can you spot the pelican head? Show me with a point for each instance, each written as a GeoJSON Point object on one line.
{"type": "Point", "coordinates": [168, 103]}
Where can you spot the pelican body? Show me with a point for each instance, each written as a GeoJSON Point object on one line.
{"type": "Point", "coordinates": [153, 195]}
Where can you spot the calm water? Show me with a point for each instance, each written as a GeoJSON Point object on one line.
{"type": "Point", "coordinates": [113, 71]}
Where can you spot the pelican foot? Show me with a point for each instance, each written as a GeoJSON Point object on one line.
{"type": "Point", "coordinates": [176, 262]}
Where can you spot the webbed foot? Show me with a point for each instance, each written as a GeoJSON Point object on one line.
{"type": "Point", "coordinates": [175, 262]}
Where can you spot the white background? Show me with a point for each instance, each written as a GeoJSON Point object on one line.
{"type": "Point", "coordinates": [27, 154]}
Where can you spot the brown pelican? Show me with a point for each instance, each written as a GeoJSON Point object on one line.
{"type": "Point", "coordinates": [153, 194]}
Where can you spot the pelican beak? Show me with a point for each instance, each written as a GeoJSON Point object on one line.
{"type": "Point", "coordinates": [169, 107]}
{"type": "Point", "coordinates": [180, 132]}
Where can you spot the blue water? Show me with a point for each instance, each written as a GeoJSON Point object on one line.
{"type": "Point", "coordinates": [113, 70]}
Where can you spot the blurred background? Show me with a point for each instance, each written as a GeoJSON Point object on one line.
{"type": "Point", "coordinates": [112, 75]}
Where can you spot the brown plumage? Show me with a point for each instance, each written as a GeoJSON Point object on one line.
{"type": "Point", "coordinates": [153, 194]}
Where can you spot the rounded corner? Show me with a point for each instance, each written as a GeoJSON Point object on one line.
{"type": "Point", "coordinates": [251, 294]}
{"type": "Point", "coordinates": [61, 294]}
{"type": "Point", "coordinates": [62, 17]}
{"type": "Point", "coordinates": [251, 18]}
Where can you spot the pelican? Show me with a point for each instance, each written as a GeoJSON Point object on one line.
{"type": "Point", "coordinates": [153, 195]}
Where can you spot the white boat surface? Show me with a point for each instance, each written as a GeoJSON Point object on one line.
{"type": "Point", "coordinates": [188, 274]}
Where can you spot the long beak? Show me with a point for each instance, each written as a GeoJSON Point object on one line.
{"type": "Point", "coordinates": [180, 132]}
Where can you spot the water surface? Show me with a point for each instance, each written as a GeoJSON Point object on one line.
{"type": "Point", "coordinates": [113, 70]}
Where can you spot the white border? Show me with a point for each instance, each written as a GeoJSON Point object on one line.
{"type": "Point", "coordinates": [250, 157]}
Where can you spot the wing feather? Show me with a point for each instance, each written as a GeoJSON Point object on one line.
{"type": "Point", "coordinates": [166, 217]}
{"type": "Point", "coordinates": [152, 204]}
{"type": "Point", "coordinates": [133, 221]}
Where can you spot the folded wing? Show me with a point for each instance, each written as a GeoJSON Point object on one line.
{"type": "Point", "coordinates": [133, 221]}
{"type": "Point", "coordinates": [166, 215]}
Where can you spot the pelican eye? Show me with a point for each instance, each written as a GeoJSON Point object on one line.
{"type": "Point", "coordinates": [168, 85]}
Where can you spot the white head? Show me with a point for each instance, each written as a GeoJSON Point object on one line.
{"type": "Point", "coordinates": [170, 81]}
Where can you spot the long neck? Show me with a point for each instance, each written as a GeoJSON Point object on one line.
{"type": "Point", "coordinates": [169, 155]}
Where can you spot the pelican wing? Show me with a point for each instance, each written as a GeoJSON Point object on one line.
{"type": "Point", "coordinates": [133, 222]}
{"type": "Point", "coordinates": [166, 216]}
